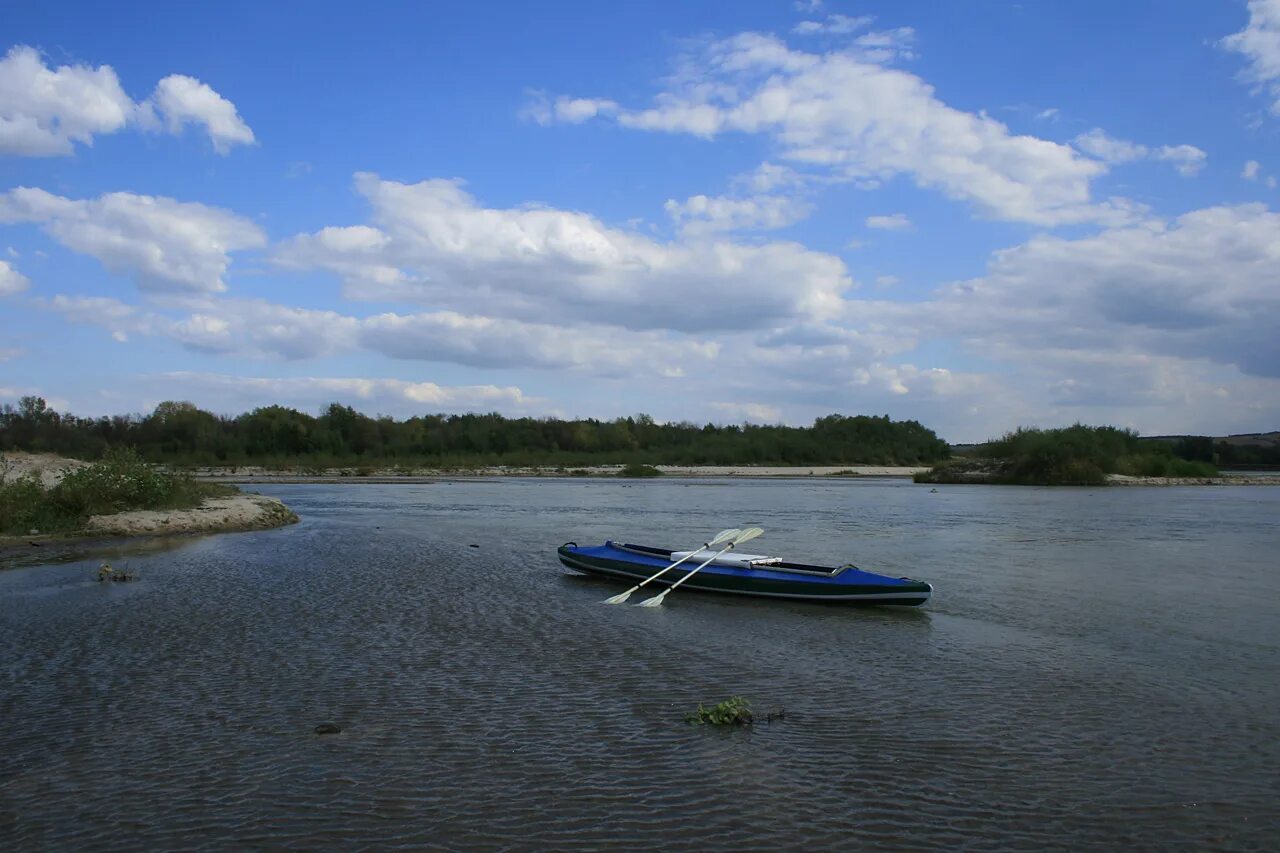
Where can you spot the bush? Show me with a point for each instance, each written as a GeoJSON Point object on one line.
{"type": "Point", "coordinates": [635, 470]}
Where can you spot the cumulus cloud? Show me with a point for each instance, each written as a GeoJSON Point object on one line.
{"type": "Point", "coordinates": [1250, 170]}
{"type": "Point", "coordinates": [255, 328]}
{"type": "Point", "coordinates": [166, 245]}
{"type": "Point", "coordinates": [702, 214]}
{"type": "Point", "coordinates": [46, 111]}
{"type": "Point", "coordinates": [1200, 287]}
{"type": "Point", "coordinates": [183, 100]}
{"type": "Point", "coordinates": [11, 281]}
{"type": "Point", "coordinates": [844, 112]}
{"type": "Point", "coordinates": [491, 342]}
{"type": "Point", "coordinates": [226, 393]}
{"type": "Point", "coordinates": [1259, 44]}
{"type": "Point", "coordinates": [889, 222]}
{"type": "Point", "coordinates": [1187, 160]}
{"type": "Point", "coordinates": [431, 242]}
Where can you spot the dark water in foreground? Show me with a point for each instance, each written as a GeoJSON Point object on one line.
{"type": "Point", "coordinates": [1096, 669]}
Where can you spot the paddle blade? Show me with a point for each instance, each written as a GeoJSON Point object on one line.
{"type": "Point", "coordinates": [656, 601]}
{"type": "Point", "coordinates": [620, 597]}
{"type": "Point", "coordinates": [748, 534]}
{"type": "Point", "coordinates": [725, 536]}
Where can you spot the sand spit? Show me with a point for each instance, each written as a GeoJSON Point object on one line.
{"type": "Point", "coordinates": [214, 515]}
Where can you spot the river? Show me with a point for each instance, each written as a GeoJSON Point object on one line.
{"type": "Point", "coordinates": [1097, 668]}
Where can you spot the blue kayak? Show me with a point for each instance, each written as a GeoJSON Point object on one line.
{"type": "Point", "coordinates": [746, 574]}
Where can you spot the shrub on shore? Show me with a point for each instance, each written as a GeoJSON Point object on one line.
{"type": "Point", "coordinates": [1072, 456]}
{"type": "Point", "coordinates": [119, 482]}
{"type": "Point", "coordinates": [636, 470]}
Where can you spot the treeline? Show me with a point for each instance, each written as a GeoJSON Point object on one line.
{"type": "Point", "coordinates": [179, 433]}
{"type": "Point", "coordinates": [1225, 454]}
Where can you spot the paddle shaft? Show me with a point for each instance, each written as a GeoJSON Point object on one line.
{"type": "Point", "coordinates": [728, 547]}
{"type": "Point", "coordinates": [704, 547]}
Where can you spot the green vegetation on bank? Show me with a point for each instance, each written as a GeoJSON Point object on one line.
{"type": "Point", "coordinates": [635, 470]}
{"type": "Point", "coordinates": [1078, 455]}
{"type": "Point", "coordinates": [118, 482]}
{"type": "Point", "coordinates": [179, 434]}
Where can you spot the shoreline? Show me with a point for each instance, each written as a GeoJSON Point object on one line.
{"type": "Point", "coordinates": [253, 474]}
{"type": "Point", "coordinates": [240, 513]}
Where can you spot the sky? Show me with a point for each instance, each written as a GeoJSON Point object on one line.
{"type": "Point", "coordinates": [978, 214]}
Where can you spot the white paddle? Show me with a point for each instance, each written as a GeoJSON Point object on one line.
{"type": "Point", "coordinates": [722, 536]}
{"type": "Point", "coordinates": [746, 535]}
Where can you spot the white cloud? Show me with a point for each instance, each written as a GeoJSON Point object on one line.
{"type": "Point", "coordinates": [889, 222]}
{"type": "Point", "coordinates": [432, 243]}
{"type": "Point", "coordinates": [545, 110]}
{"type": "Point", "coordinates": [700, 214]}
{"type": "Point", "coordinates": [1250, 170]}
{"type": "Point", "coordinates": [833, 25]}
{"type": "Point", "coordinates": [1050, 114]}
{"type": "Point", "coordinates": [886, 281]}
{"type": "Point", "coordinates": [1186, 159]}
{"type": "Point", "coordinates": [185, 100]}
{"type": "Point", "coordinates": [243, 327]}
{"type": "Point", "coordinates": [758, 413]}
{"type": "Point", "coordinates": [808, 6]}
{"type": "Point", "coordinates": [1259, 44]}
{"type": "Point", "coordinates": [488, 342]}
{"type": "Point", "coordinates": [1201, 287]}
{"type": "Point", "coordinates": [886, 45]}
{"type": "Point", "coordinates": [1098, 143]}
{"type": "Point", "coordinates": [45, 111]}
{"type": "Point", "coordinates": [166, 245]}
{"type": "Point", "coordinates": [846, 114]}
{"type": "Point", "coordinates": [257, 329]}
{"type": "Point", "coordinates": [394, 396]}
{"type": "Point", "coordinates": [11, 281]}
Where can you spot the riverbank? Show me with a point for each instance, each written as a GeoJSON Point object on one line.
{"type": "Point", "coordinates": [253, 474]}
{"type": "Point", "coordinates": [35, 479]}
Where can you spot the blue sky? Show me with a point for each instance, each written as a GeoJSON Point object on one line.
{"type": "Point", "coordinates": [977, 214]}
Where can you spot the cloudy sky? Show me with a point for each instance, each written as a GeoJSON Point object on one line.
{"type": "Point", "coordinates": [978, 214]}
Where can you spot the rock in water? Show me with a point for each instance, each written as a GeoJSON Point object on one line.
{"type": "Point", "coordinates": [328, 729]}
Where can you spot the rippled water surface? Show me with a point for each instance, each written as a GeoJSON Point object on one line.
{"type": "Point", "coordinates": [1097, 668]}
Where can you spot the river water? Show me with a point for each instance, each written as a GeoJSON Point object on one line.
{"type": "Point", "coordinates": [1097, 668]}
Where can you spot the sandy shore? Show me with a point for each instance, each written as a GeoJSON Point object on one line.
{"type": "Point", "coordinates": [1228, 480]}
{"type": "Point", "coordinates": [393, 475]}
{"type": "Point", "coordinates": [214, 515]}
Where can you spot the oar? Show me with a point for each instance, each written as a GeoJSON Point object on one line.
{"type": "Point", "coordinates": [746, 535]}
{"type": "Point", "coordinates": [722, 536]}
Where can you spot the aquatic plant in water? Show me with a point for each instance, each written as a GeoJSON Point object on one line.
{"type": "Point", "coordinates": [734, 711]}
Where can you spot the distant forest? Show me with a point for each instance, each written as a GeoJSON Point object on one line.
{"type": "Point", "coordinates": [274, 436]}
